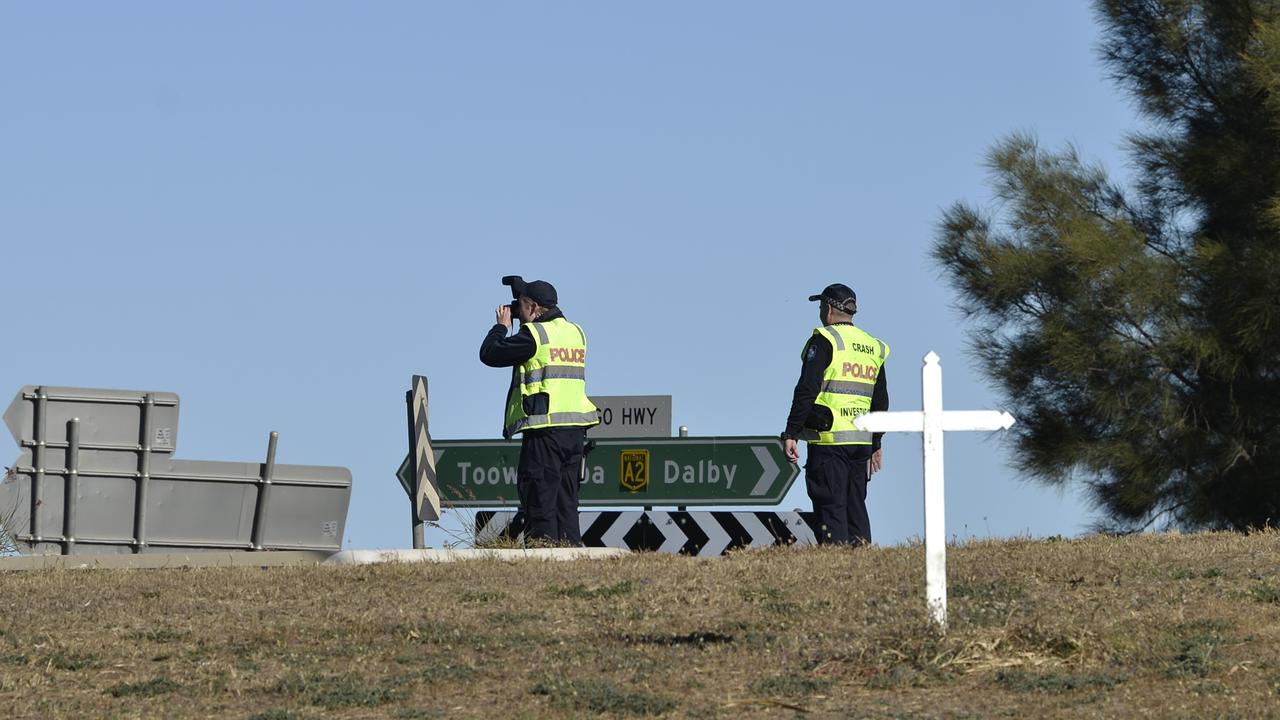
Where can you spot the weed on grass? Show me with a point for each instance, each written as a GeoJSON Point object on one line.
{"type": "Point", "coordinates": [770, 599]}
{"type": "Point", "coordinates": [146, 688]}
{"type": "Point", "coordinates": [337, 691]}
{"type": "Point", "coordinates": [160, 635]}
{"type": "Point", "coordinates": [997, 590]}
{"type": "Point", "coordinates": [898, 676]}
{"type": "Point", "coordinates": [912, 655]}
{"type": "Point", "coordinates": [989, 603]}
{"type": "Point", "coordinates": [791, 685]}
{"type": "Point", "coordinates": [427, 632]}
{"type": "Point", "coordinates": [515, 618]}
{"type": "Point", "coordinates": [247, 666]}
{"type": "Point", "coordinates": [1209, 626]}
{"type": "Point", "coordinates": [1195, 656]}
{"type": "Point", "coordinates": [1058, 641]}
{"type": "Point", "coordinates": [219, 682]}
{"type": "Point", "coordinates": [435, 673]}
{"type": "Point", "coordinates": [1192, 573]}
{"type": "Point", "coordinates": [482, 596]}
{"type": "Point", "coordinates": [14, 659]}
{"type": "Point", "coordinates": [273, 714]}
{"type": "Point", "coordinates": [416, 714]}
{"type": "Point", "coordinates": [199, 653]}
{"type": "Point", "coordinates": [601, 696]}
{"type": "Point", "coordinates": [1195, 642]}
{"type": "Point", "coordinates": [585, 592]}
{"type": "Point", "coordinates": [1266, 592]}
{"type": "Point", "coordinates": [446, 672]}
{"type": "Point", "coordinates": [697, 639]}
{"type": "Point", "coordinates": [1022, 681]}
{"type": "Point", "coordinates": [638, 666]}
{"type": "Point", "coordinates": [506, 542]}
{"type": "Point", "coordinates": [72, 662]}
{"type": "Point", "coordinates": [1210, 687]}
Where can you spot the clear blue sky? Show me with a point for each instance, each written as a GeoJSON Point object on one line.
{"type": "Point", "coordinates": [281, 211]}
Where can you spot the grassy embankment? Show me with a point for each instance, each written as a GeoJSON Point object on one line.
{"type": "Point", "coordinates": [1159, 626]}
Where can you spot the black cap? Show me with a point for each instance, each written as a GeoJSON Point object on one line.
{"type": "Point", "coordinates": [541, 292]}
{"type": "Point", "coordinates": [838, 296]}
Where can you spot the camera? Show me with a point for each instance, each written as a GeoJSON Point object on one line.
{"type": "Point", "coordinates": [517, 289]}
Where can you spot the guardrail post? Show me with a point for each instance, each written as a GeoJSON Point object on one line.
{"type": "Point", "coordinates": [264, 490]}
{"type": "Point", "coordinates": [73, 487]}
{"type": "Point", "coordinates": [144, 476]}
{"type": "Point", "coordinates": [38, 457]}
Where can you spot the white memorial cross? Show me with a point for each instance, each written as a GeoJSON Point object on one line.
{"type": "Point", "coordinates": [932, 422]}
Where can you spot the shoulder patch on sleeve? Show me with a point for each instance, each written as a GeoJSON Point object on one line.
{"type": "Point", "coordinates": [811, 353]}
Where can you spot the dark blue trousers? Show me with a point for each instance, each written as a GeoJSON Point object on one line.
{"type": "Point", "coordinates": [547, 483]}
{"type": "Point", "coordinates": [836, 477]}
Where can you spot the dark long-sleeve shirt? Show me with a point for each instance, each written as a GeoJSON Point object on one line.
{"type": "Point", "coordinates": [817, 356]}
{"type": "Point", "coordinates": [499, 350]}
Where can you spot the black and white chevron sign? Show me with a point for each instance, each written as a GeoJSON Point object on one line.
{"type": "Point", "coordinates": [705, 534]}
{"type": "Point", "coordinates": [426, 500]}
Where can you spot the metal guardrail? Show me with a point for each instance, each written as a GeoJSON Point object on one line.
{"type": "Point", "coordinates": [97, 476]}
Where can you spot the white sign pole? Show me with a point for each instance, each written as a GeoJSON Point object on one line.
{"type": "Point", "coordinates": [935, 533]}
{"type": "Point", "coordinates": [932, 423]}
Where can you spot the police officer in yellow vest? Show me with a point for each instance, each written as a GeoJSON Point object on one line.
{"type": "Point", "coordinates": [547, 404]}
{"type": "Point", "coordinates": [841, 377]}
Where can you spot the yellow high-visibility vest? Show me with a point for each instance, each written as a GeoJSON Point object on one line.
{"type": "Point", "coordinates": [848, 383]}
{"type": "Point", "coordinates": [558, 369]}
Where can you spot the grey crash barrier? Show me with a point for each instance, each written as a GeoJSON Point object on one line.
{"type": "Point", "coordinates": [96, 475]}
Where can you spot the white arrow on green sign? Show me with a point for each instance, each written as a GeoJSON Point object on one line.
{"type": "Point", "coordinates": [625, 472]}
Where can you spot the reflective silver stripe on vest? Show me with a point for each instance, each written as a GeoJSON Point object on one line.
{"type": "Point", "coordinates": [851, 436]}
{"type": "Point", "coordinates": [848, 387]}
{"type": "Point", "coordinates": [581, 334]}
{"type": "Point", "coordinates": [542, 332]}
{"type": "Point", "coordinates": [553, 372]}
{"type": "Point", "coordinates": [563, 418]}
{"type": "Point", "coordinates": [836, 335]}
{"type": "Point", "coordinates": [881, 349]}
{"type": "Point", "coordinates": [844, 436]}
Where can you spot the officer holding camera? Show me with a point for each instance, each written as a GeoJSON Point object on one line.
{"type": "Point", "coordinates": [547, 405]}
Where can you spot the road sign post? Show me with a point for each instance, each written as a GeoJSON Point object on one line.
{"type": "Point", "coordinates": [932, 422]}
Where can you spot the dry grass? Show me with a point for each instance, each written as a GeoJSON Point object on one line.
{"type": "Point", "coordinates": [1157, 626]}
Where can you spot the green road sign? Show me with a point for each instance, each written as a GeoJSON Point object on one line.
{"type": "Point", "coordinates": [622, 472]}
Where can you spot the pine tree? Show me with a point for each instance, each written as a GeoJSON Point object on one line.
{"type": "Point", "coordinates": [1136, 331]}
